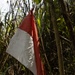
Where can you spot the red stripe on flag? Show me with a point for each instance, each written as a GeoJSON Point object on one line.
{"type": "Point", "coordinates": [29, 26]}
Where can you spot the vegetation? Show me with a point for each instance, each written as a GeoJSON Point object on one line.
{"type": "Point", "coordinates": [55, 20]}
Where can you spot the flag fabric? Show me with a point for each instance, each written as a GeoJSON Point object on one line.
{"type": "Point", "coordinates": [24, 45]}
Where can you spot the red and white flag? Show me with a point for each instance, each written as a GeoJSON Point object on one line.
{"type": "Point", "coordinates": [24, 45]}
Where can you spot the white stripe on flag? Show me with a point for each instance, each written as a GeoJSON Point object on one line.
{"type": "Point", "coordinates": [22, 48]}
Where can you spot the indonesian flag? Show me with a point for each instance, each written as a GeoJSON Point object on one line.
{"type": "Point", "coordinates": [24, 45]}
